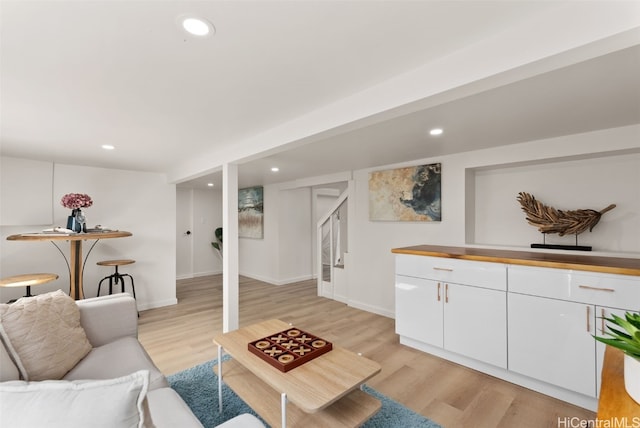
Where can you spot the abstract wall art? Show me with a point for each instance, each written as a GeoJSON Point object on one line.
{"type": "Point", "coordinates": [406, 194]}
{"type": "Point", "coordinates": [250, 212]}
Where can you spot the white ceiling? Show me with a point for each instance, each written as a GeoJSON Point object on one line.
{"type": "Point", "coordinates": [76, 75]}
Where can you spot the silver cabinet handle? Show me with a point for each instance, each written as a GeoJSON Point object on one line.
{"type": "Point", "coordinates": [444, 269]}
{"type": "Point", "coordinates": [602, 319]}
{"type": "Point", "coordinates": [438, 292]}
{"type": "Point", "coordinates": [446, 293]}
{"type": "Point", "coordinates": [588, 287]}
{"type": "Point", "coordinates": [588, 319]}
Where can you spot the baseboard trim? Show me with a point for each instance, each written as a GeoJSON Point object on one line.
{"type": "Point", "coordinates": [157, 304]}
{"type": "Point", "coordinates": [275, 281]}
{"type": "Point", "coordinates": [198, 274]}
{"type": "Point", "coordinates": [370, 308]}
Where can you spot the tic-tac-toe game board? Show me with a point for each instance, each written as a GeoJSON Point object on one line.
{"type": "Point", "coordinates": [288, 349]}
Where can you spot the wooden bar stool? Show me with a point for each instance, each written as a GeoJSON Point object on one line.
{"type": "Point", "coordinates": [27, 280]}
{"type": "Point", "coordinates": [117, 277]}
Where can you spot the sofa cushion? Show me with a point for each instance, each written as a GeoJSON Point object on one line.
{"type": "Point", "coordinates": [107, 318]}
{"type": "Point", "coordinates": [118, 358]}
{"type": "Point", "coordinates": [8, 370]}
{"type": "Point", "coordinates": [244, 420]}
{"type": "Point", "coordinates": [112, 403]}
{"type": "Point", "coordinates": [168, 410]}
{"type": "Point", "coordinates": [43, 335]}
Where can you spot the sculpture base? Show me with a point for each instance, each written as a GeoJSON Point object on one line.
{"type": "Point", "coordinates": [562, 247]}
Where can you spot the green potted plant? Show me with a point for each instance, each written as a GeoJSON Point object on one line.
{"type": "Point", "coordinates": [218, 244]}
{"type": "Point", "coordinates": [627, 339]}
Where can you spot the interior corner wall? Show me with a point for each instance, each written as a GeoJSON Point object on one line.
{"type": "Point", "coordinates": [296, 252]}
{"type": "Point", "coordinates": [592, 183]}
{"type": "Point", "coordinates": [284, 254]}
{"type": "Point", "coordinates": [258, 258]}
{"type": "Point", "coordinates": [207, 217]}
{"type": "Point", "coordinates": [139, 202]}
{"type": "Point", "coordinates": [371, 285]}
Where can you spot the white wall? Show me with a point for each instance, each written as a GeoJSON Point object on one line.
{"type": "Point", "coordinates": [478, 205]}
{"type": "Point", "coordinates": [296, 225]}
{"type": "Point", "coordinates": [207, 217]}
{"type": "Point", "coordinates": [567, 185]}
{"type": "Point", "coordinates": [200, 212]}
{"type": "Point", "coordinates": [142, 203]}
{"type": "Point", "coordinates": [184, 242]}
{"type": "Point", "coordinates": [284, 255]}
{"type": "Point", "coordinates": [371, 277]}
{"type": "Point", "coordinates": [258, 257]}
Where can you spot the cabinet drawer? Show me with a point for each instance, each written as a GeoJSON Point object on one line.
{"type": "Point", "coordinates": [617, 291]}
{"type": "Point", "coordinates": [479, 274]}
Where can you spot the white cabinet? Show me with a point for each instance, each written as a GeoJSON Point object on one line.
{"type": "Point", "coordinates": [419, 306]}
{"type": "Point", "coordinates": [502, 313]}
{"type": "Point", "coordinates": [438, 302]}
{"type": "Point", "coordinates": [550, 340]}
{"type": "Point", "coordinates": [553, 315]}
{"type": "Point", "coordinates": [474, 320]}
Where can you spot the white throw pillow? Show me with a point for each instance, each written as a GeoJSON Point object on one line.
{"type": "Point", "coordinates": [112, 403]}
{"type": "Point", "coordinates": [43, 335]}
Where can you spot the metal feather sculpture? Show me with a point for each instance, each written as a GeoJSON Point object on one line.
{"type": "Point", "coordinates": [550, 220]}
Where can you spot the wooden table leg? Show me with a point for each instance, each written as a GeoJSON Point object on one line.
{"type": "Point", "coordinates": [75, 270]}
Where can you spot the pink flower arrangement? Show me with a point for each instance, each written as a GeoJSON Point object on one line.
{"type": "Point", "coordinates": [76, 200]}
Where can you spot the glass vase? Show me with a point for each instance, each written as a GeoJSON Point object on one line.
{"type": "Point", "coordinates": [76, 221]}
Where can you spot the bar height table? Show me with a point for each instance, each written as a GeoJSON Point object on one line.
{"type": "Point", "coordinates": [75, 263]}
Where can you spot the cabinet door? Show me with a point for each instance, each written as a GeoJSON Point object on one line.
{"type": "Point", "coordinates": [601, 323]}
{"type": "Point", "coordinates": [475, 323]}
{"type": "Point", "coordinates": [551, 340]}
{"type": "Point", "coordinates": [419, 309]}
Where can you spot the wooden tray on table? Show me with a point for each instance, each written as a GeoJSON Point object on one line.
{"type": "Point", "coordinates": [290, 348]}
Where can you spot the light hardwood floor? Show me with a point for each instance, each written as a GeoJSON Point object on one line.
{"type": "Point", "coordinates": [178, 337]}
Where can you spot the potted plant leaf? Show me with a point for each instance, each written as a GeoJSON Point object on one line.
{"type": "Point", "coordinates": [626, 337]}
{"type": "Point", "coordinates": [218, 244]}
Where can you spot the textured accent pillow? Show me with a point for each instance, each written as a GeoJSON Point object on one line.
{"type": "Point", "coordinates": [43, 335]}
{"type": "Point", "coordinates": [111, 403]}
{"type": "Point", "coordinates": [8, 370]}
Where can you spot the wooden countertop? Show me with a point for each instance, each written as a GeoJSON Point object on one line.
{"type": "Point", "coordinates": [614, 402]}
{"type": "Point", "coordinates": [44, 236]}
{"type": "Point", "coordinates": [615, 265]}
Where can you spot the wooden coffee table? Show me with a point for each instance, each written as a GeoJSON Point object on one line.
{"type": "Point", "coordinates": [323, 392]}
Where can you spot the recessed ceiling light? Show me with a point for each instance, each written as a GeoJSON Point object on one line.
{"type": "Point", "coordinates": [108, 147]}
{"type": "Point", "coordinates": [196, 26]}
{"type": "Point", "coordinates": [210, 184]}
{"type": "Point", "coordinates": [275, 169]}
{"type": "Point", "coordinates": [436, 131]}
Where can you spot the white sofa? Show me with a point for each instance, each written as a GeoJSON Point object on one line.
{"type": "Point", "coordinates": [111, 327]}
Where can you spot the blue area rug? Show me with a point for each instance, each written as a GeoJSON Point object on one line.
{"type": "Point", "coordinates": [198, 387]}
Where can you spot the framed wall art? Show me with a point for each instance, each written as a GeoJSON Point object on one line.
{"type": "Point", "coordinates": [251, 212]}
{"type": "Point", "coordinates": [406, 194]}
